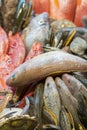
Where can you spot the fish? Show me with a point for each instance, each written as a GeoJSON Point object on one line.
{"type": "Point", "coordinates": [38, 30]}
{"type": "Point", "coordinates": [66, 119]}
{"type": "Point", "coordinates": [74, 85]}
{"type": "Point", "coordinates": [69, 102]}
{"type": "Point", "coordinates": [46, 64]}
{"type": "Point", "coordinates": [51, 98]}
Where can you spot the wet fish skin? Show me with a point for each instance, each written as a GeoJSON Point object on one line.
{"type": "Point", "coordinates": [68, 102]}
{"type": "Point", "coordinates": [51, 97]}
{"type": "Point", "coordinates": [38, 30]}
{"type": "Point", "coordinates": [50, 63]}
{"type": "Point", "coordinates": [74, 85]}
{"type": "Point", "coordinates": [66, 120]}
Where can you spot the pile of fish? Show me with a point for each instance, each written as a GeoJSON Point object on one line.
{"type": "Point", "coordinates": [48, 87]}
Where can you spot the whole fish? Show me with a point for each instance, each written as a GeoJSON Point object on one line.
{"type": "Point", "coordinates": [74, 85]}
{"type": "Point", "coordinates": [50, 63]}
{"type": "Point", "coordinates": [69, 102]}
{"type": "Point", "coordinates": [51, 98]}
{"type": "Point", "coordinates": [66, 120]}
{"type": "Point", "coordinates": [38, 30]}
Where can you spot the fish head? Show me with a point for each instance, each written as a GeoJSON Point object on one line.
{"type": "Point", "coordinates": [40, 20]}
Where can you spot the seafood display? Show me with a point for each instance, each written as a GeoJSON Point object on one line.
{"type": "Point", "coordinates": [43, 65]}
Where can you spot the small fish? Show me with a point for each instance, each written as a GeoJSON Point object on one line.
{"type": "Point", "coordinates": [52, 99]}
{"type": "Point", "coordinates": [66, 120]}
{"type": "Point", "coordinates": [69, 102]}
{"type": "Point", "coordinates": [38, 30]}
{"type": "Point", "coordinates": [74, 85]}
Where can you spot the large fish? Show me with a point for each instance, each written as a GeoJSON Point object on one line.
{"type": "Point", "coordinates": [39, 67]}
{"type": "Point", "coordinates": [38, 30]}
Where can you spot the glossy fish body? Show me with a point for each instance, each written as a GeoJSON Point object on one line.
{"type": "Point", "coordinates": [38, 30]}
{"type": "Point", "coordinates": [51, 63]}
{"type": "Point", "coordinates": [74, 85]}
{"type": "Point", "coordinates": [66, 119]}
{"type": "Point", "coordinates": [68, 102]}
{"type": "Point", "coordinates": [51, 98]}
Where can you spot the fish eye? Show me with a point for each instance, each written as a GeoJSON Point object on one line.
{"type": "Point", "coordinates": [41, 22]}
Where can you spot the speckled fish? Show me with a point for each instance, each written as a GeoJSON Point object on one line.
{"type": "Point", "coordinates": [74, 85]}
{"type": "Point", "coordinates": [38, 30]}
{"type": "Point", "coordinates": [69, 102]}
{"type": "Point", "coordinates": [66, 120]}
{"type": "Point", "coordinates": [52, 99]}
{"type": "Point", "coordinates": [50, 63]}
